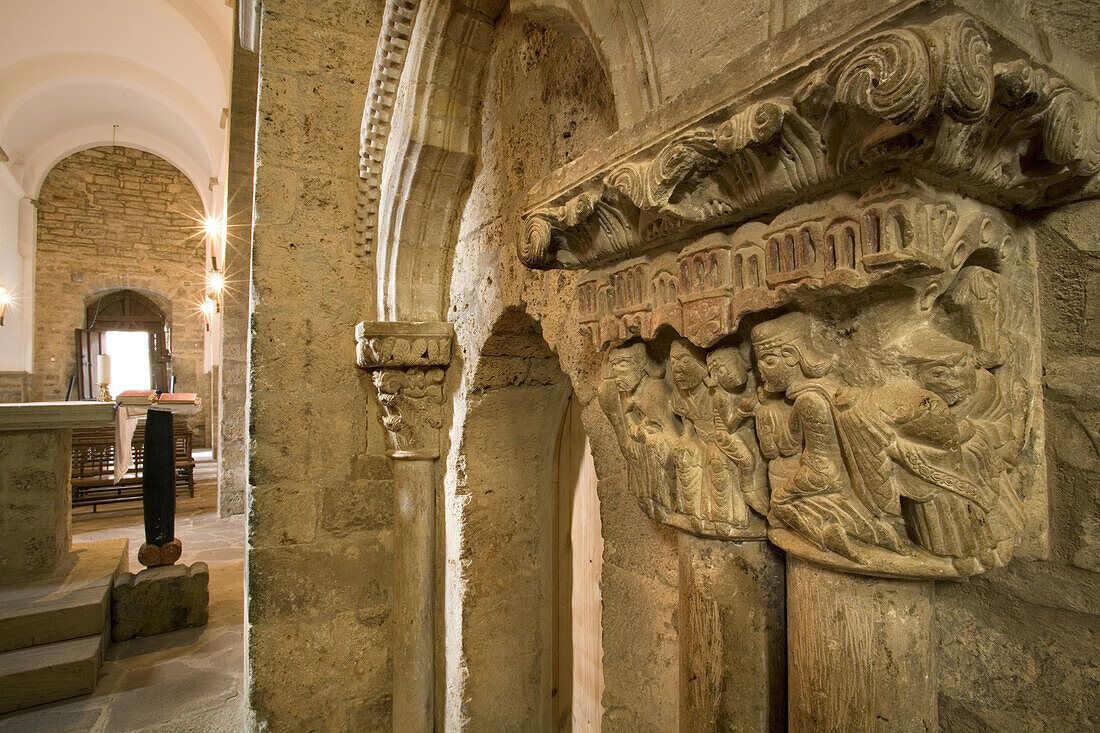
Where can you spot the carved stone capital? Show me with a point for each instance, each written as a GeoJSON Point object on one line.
{"type": "Point", "coordinates": [412, 409]}
{"type": "Point", "coordinates": [857, 378]}
{"type": "Point", "coordinates": [407, 362]}
{"type": "Point", "coordinates": [948, 101]}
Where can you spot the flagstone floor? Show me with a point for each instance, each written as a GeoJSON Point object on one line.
{"type": "Point", "coordinates": [189, 681]}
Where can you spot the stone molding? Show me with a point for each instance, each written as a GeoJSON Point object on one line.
{"type": "Point", "coordinates": [403, 344]}
{"type": "Point", "coordinates": [943, 101]}
{"type": "Point", "coordinates": [56, 415]}
{"type": "Point", "coordinates": [389, 62]}
{"type": "Point", "coordinates": [407, 361]}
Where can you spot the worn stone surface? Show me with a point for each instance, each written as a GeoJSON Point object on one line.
{"type": "Point", "coordinates": [196, 674]}
{"type": "Point", "coordinates": [159, 599]}
{"type": "Point", "coordinates": [859, 652]}
{"type": "Point", "coordinates": [733, 638]}
{"type": "Point", "coordinates": [457, 166]}
{"type": "Point", "coordinates": [14, 386]}
{"type": "Point", "coordinates": [112, 218]}
{"type": "Point", "coordinates": [34, 501]}
{"type": "Point", "coordinates": [318, 648]}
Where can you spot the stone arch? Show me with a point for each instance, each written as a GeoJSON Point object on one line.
{"type": "Point", "coordinates": [151, 307]}
{"type": "Point", "coordinates": [499, 512]}
{"type": "Point", "coordinates": [420, 146]}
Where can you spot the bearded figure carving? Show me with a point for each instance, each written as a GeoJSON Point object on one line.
{"type": "Point", "coordinates": [638, 402]}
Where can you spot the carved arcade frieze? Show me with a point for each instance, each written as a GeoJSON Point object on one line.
{"type": "Point", "coordinates": [407, 362]}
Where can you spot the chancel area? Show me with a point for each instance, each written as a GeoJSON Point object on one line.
{"type": "Point", "coordinates": [549, 365]}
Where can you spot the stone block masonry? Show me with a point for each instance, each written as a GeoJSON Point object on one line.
{"type": "Point", "coordinates": [158, 600]}
{"type": "Point", "coordinates": [320, 493]}
{"type": "Point", "coordinates": [110, 218]}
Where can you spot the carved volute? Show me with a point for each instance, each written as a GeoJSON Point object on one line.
{"type": "Point", "coordinates": [819, 321]}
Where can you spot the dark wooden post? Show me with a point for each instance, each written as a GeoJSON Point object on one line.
{"type": "Point", "coordinates": [159, 491]}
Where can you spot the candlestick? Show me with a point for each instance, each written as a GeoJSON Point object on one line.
{"type": "Point", "coordinates": [103, 378]}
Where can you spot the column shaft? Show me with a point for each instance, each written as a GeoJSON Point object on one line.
{"type": "Point", "coordinates": [413, 556]}
{"type": "Point", "coordinates": [732, 637]}
{"type": "Point", "coordinates": [862, 653]}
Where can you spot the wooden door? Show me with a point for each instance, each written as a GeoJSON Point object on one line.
{"type": "Point", "coordinates": [89, 345]}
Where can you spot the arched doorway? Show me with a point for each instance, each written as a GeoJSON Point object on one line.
{"type": "Point", "coordinates": [523, 631]}
{"type": "Point", "coordinates": [134, 330]}
{"type": "Point", "coordinates": [577, 569]}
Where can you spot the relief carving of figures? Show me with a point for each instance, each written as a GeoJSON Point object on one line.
{"type": "Point", "coordinates": [879, 424]}
{"type": "Point", "coordinates": [907, 470]}
{"type": "Point", "coordinates": [686, 434]}
{"type": "Point", "coordinates": [812, 486]}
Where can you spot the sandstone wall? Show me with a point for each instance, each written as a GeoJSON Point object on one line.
{"type": "Point", "coordinates": [1017, 648]}
{"type": "Point", "coordinates": [112, 218]}
{"type": "Point", "coordinates": [13, 386]}
{"type": "Point", "coordinates": [320, 512]}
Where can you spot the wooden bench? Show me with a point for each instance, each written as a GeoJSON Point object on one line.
{"type": "Point", "coordinates": [93, 472]}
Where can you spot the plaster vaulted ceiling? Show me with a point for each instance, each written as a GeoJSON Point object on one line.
{"type": "Point", "coordinates": [72, 69]}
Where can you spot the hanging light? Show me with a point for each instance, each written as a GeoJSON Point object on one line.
{"type": "Point", "coordinates": [5, 299]}
{"type": "Point", "coordinates": [213, 227]}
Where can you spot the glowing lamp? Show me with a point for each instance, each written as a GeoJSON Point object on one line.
{"type": "Point", "coordinates": [208, 307]}
{"type": "Point", "coordinates": [5, 299]}
{"type": "Point", "coordinates": [214, 227]}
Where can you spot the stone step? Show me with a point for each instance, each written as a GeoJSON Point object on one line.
{"type": "Point", "coordinates": [72, 601]}
{"type": "Point", "coordinates": [53, 616]}
{"type": "Point", "coordinates": [42, 674]}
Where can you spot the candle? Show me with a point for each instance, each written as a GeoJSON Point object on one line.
{"type": "Point", "coordinates": [103, 367]}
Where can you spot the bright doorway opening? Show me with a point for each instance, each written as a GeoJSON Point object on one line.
{"type": "Point", "coordinates": [130, 364]}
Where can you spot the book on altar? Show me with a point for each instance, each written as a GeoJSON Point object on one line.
{"type": "Point", "coordinates": [136, 397]}
{"type": "Point", "coordinates": [178, 398]}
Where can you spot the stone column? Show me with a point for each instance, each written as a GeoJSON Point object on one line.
{"type": "Point", "coordinates": [862, 652]}
{"type": "Point", "coordinates": [733, 660]}
{"type": "Point", "coordinates": [407, 362]}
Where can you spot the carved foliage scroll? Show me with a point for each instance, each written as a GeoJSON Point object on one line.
{"type": "Point", "coordinates": [934, 101]}
{"type": "Point", "coordinates": [412, 408]}
{"type": "Point", "coordinates": [406, 362]}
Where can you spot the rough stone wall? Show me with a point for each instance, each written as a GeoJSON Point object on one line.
{"type": "Point", "coordinates": [545, 103]}
{"type": "Point", "coordinates": [320, 509]}
{"type": "Point", "coordinates": [232, 446]}
{"type": "Point", "coordinates": [13, 386]}
{"type": "Point", "coordinates": [1017, 646]}
{"type": "Point", "coordinates": [109, 218]}
{"type": "Point", "coordinates": [503, 509]}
